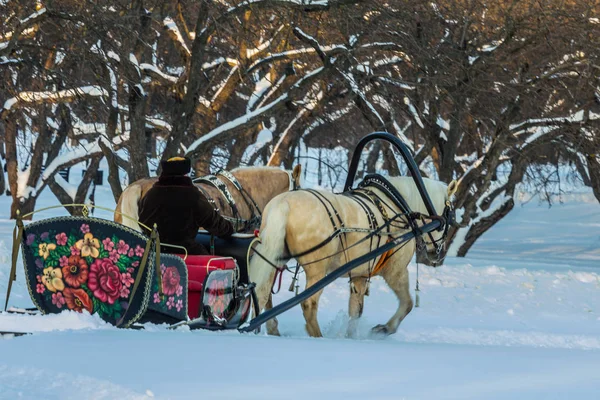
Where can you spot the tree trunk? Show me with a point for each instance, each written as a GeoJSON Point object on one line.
{"type": "Point", "coordinates": [594, 170]}
{"type": "Point", "coordinates": [483, 226]}
{"type": "Point", "coordinates": [282, 153]}
{"type": "Point", "coordinates": [61, 194]}
{"type": "Point", "coordinates": [241, 144]}
{"type": "Point", "coordinates": [11, 162]}
{"type": "Point", "coordinates": [138, 167]}
{"type": "Point", "coordinates": [113, 171]}
{"type": "Point", "coordinates": [88, 178]}
{"type": "Point", "coordinates": [2, 179]}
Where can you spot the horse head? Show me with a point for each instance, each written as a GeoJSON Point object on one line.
{"type": "Point", "coordinates": [440, 195]}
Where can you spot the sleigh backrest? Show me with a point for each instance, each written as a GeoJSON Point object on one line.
{"type": "Point", "coordinates": [91, 264]}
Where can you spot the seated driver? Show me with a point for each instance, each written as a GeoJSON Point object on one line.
{"type": "Point", "coordinates": [179, 209]}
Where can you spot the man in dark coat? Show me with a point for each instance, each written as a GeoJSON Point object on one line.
{"type": "Point", "coordinates": [179, 209]}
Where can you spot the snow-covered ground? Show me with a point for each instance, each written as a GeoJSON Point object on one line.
{"type": "Point", "coordinates": [518, 319]}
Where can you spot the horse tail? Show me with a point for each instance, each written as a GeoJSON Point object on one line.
{"type": "Point", "coordinates": [272, 242]}
{"type": "Point", "coordinates": [129, 206]}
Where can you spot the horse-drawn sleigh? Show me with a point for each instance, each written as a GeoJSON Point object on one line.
{"type": "Point", "coordinates": [115, 271]}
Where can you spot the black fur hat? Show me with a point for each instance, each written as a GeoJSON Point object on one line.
{"type": "Point", "coordinates": [176, 166]}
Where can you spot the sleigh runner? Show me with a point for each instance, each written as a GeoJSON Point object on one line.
{"type": "Point", "coordinates": [105, 268]}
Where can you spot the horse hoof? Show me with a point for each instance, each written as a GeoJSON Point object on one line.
{"type": "Point", "coordinates": [380, 330]}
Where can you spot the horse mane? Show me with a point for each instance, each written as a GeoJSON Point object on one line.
{"type": "Point", "coordinates": [437, 191]}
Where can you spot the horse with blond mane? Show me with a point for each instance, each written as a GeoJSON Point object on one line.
{"type": "Point", "coordinates": [249, 189]}
{"type": "Point", "coordinates": [323, 230]}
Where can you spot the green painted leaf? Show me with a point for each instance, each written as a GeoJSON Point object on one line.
{"type": "Point", "coordinates": [96, 302]}
{"type": "Point", "coordinates": [71, 241]}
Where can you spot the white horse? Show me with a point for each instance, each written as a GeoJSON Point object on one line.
{"type": "Point", "coordinates": [296, 221]}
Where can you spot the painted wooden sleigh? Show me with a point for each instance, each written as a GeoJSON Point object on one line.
{"type": "Point", "coordinates": [93, 265]}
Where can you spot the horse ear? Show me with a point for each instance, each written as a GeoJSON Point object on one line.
{"type": "Point", "coordinates": [296, 174]}
{"type": "Point", "coordinates": [452, 188]}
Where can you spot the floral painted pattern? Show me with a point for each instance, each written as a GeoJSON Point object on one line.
{"type": "Point", "coordinates": [174, 287]}
{"type": "Point", "coordinates": [85, 266]}
{"type": "Point", "coordinates": [218, 294]}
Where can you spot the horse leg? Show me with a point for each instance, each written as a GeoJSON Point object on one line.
{"type": "Point", "coordinates": [311, 306]}
{"type": "Point", "coordinates": [272, 324]}
{"type": "Point", "coordinates": [265, 301]}
{"type": "Point", "coordinates": [397, 279]}
{"type": "Point", "coordinates": [356, 303]}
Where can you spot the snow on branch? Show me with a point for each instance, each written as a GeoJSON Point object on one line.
{"type": "Point", "coordinates": [291, 54]}
{"type": "Point", "coordinates": [33, 16]}
{"type": "Point", "coordinates": [232, 62]}
{"type": "Point", "coordinates": [29, 98]}
{"type": "Point", "coordinates": [311, 102]}
{"type": "Point", "coordinates": [251, 53]}
{"type": "Point", "coordinates": [154, 72]}
{"type": "Point", "coordinates": [361, 95]}
{"type": "Point", "coordinates": [23, 27]}
{"type": "Point", "coordinates": [541, 127]}
{"type": "Point", "coordinates": [83, 152]}
{"type": "Point", "coordinates": [175, 35]}
{"type": "Point", "coordinates": [249, 117]}
{"type": "Point", "coordinates": [305, 5]}
{"type": "Point", "coordinates": [300, 34]}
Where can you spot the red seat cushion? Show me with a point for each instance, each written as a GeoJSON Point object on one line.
{"type": "Point", "coordinates": [198, 267]}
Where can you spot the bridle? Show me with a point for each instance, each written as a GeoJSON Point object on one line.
{"type": "Point", "coordinates": [448, 219]}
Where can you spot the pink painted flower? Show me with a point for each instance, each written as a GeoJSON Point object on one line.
{"type": "Point", "coordinates": [179, 305]}
{"type": "Point", "coordinates": [124, 292]}
{"type": "Point", "coordinates": [61, 239]}
{"type": "Point", "coordinates": [130, 270]}
{"type": "Point", "coordinates": [130, 253]}
{"type": "Point", "coordinates": [105, 280]}
{"type": "Point", "coordinates": [39, 278]}
{"type": "Point", "coordinates": [122, 247]}
{"type": "Point", "coordinates": [108, 244]}
{"type": "Point", "coordinates": [75, 251]}
{"type": "Point", "coordinates": [126, 279]}
{"type": "Point", "coordinates": [179, 291]}
{"type": "Point", "coordinates": [40, 288]}
{"type": "Point", "coordinates": [64, 261]}
{"type": "Point", "coordinates": [58, 300]}
{"type": "Point", "coordinates": [30, 239]}
{"type": "Point", "coordinates": [114, 256]}
{"type": "Point", "coordinates": [171, 302]}
{"type": "Point", "coordinates": [139, 251]}
{"type": "Point", "coordinates": [170, 281]}
{"type": "Point", "coordinates": [85, 228]}
{"type": "Point", "coordinates": [156, 297]}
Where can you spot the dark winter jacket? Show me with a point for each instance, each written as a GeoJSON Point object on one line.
{"type": "Point", "coordinates": [179, 210]}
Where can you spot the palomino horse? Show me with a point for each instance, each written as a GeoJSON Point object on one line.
{"type": "Point", "coordinates": [259, 185]}
{"type": "Point", "coordinates": [295, 222]}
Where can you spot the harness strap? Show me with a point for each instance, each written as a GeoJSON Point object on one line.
{"type": "Point", "coordinates": [250, 203]}
{"type": "Point", "coordinates": [223, 189]}
{"type": "Point", "coordinates": [12, 276]}
{"type": "Point", "coordinates": [371, 218]}
{"type": "Point", "coordinates": [322, 199]}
